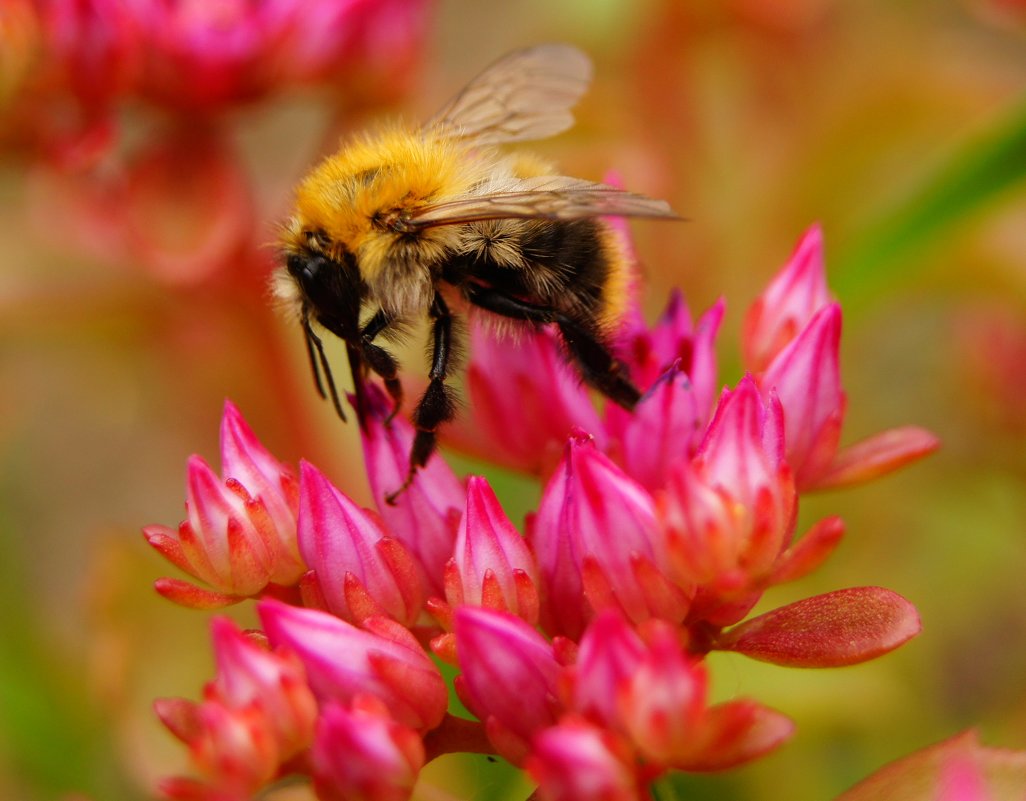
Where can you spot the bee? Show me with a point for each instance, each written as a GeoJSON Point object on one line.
{"type": "Point", "coordinates": [412, 221]}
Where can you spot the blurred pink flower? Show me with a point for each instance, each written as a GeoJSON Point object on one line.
{"type": "Point", "coordinates": [236, 539]}
{"type": "Point", "coordinates": [358, 569]}
{"type": "Point", "coordinates": [381, 659]}
{"type": "Point", "coordinates": [362, 753]}
{"type": "Point", "coordinates": [786, 305]}
{"type": "Point", "coordinates": [575, 761]}
{"type": "Point", "coordinates": [806, 376]}
{"type": "Point", "coordinates": [256, 714]}
{"type": "Point", "coordinates": [598, 544]}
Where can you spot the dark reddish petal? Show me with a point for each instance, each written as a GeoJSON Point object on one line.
{"type": "Point", "coordinates": [839, 628]}
{"type": "Point", "coordinates": [877, 456]}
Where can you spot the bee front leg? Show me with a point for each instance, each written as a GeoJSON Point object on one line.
{"type": "Point", "coordinates": [436, 406]}
{"type": "Point", "coordinates": [380, 360]}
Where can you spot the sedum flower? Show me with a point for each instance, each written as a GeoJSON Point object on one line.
{"type": "Point", "coordinates": [574, 761]}
{"type": "Point", "coordinates": [729, 513]}
{"type": "Point", "coordinates": [788, 303]}
{"type": "Point", "coordinates": [257, 713]}
{"type": "Point", "coordinates": [491, 565]}
{"type": "Point", "coordinates": [508, 678]}
{"type": "Point", "coordinates": [362, 754]}
{"type": "Point", "coordinates": [359, 571]}
{"type": "Point", "coordinates": [598, 544]}
{"type": "Point", "coordinates": [236, 539]}
{"type": "Point", "coordinates": [524, 399]}
{"type": "Point", "coordinates": [425, 515]}
{"type": "Point", "coordinates": [342, 662]}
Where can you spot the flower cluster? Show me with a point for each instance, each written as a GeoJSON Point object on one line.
{"type": "Point", "coordinates": [580, 645]}
{"type": "Point", "coordinates": [79, 81]}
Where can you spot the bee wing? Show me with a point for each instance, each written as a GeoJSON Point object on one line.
{"type": "Point", "coordinates": [524, 95]}
{"type": "Point", "coordinates": [553, 197]}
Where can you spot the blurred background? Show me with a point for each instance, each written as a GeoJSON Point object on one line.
{"type": "Point", "coordinates": [139, 190]}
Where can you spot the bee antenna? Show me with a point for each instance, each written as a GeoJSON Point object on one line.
{"type": "Point", "coordinates": [318, 362]}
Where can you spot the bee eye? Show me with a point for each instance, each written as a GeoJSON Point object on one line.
{"type": "Point", "coordinates": [307, 271]}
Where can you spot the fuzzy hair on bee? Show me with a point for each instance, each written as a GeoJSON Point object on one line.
{"type": "Point", "coordinates": [411, 222]}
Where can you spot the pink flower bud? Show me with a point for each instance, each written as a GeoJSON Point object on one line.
{"type": "Point", "coordinates": [362, 754]}
{"type": "Point", "coordinates": [524, 399]}
{"type": "Point", "coordinates": [806, 377]}
{"type": "Point", "coordinates": [234, 748]}
{"type": "Point", "coordinates": [342, 661]}
{"type": "Point", "coordinates": [575, 761]}
{"type": "Point", "coordinates": [226, 542]}
{"type": "Point", "coordinates": [492, 565]}
{"type": "Point", "coordinates": [244, 458]}
{"type": "Point", "coordinates": [249, 674]}
{"type": "Point", "coordinates": [509, 677]}
{"type": "Point", "coordinates": [357, 573]}
{"type": "Point", "coordinates": [597, 545]}
{"type": "Point", "coordinates": [729, 514]}
{"type": "Point", "coordinates": [794, 295]}
{"type": "Point", "coordinates": [424, 516]}
{"type": "Point", "coordinates": [240, 534]}
{"type": "Point", "coordinates": [610, 652]}
{"type": "Point", "coordinates": [665, 428]}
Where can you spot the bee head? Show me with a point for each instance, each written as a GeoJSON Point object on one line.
{"type": "Point", "coordinates": [331, 290]}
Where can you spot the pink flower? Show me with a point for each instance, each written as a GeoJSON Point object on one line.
{"type": "Point", "coordinates": [663, 708]}
{"type": "Point", "coordinates": [650, 352]}
{"type": "Point", "coordinates": [250, 674]}
{"type": "Point", "coordinates": [233, 748]}
{"type": "Point", "coordinates": [785, 307]}
{"type": "Point", "coordinates": [610, 652]}
{"type": "Point", "coordinates": [524, 399]}
{"type": "Point", "coordinates": [234, 541]}
{"type": "Point", "coordinates": [575, 761]}
{"type": "Point", "coordinates": [666, 428]}
{"type": "Point", "coordinates": [425, 515]}
{"type": "Point", "coordinates": [729, 513]}
{"type": "Point", "coordinates": [805, 375]}
{"type": "Point", "coordinates": [359, 571]}
{"type": "Point", "coordinates": [492, 565]}
{"type": "Point", "coordinates": [342, 661]}
{"type": "Point", "coordinates": [509, 677]}
{"type": "Point", "coordinates": [203, 56]}
{"type": "Point", "coordinates": [362, 753]}
{"type": "Point", "coordinates": [597, 544]}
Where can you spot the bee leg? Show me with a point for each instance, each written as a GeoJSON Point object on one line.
{"type": "Point", "coordinates": [598, 366]}
{"type": "Point", "coordinates": [319, 362]}
{"type": "Point", "coordinates": [436, 406]}
{"type": "Point", "coordinates": [381, 361]}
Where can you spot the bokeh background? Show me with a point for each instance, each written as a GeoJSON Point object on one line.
{"type": "Point", "coordinates": [133, 302]}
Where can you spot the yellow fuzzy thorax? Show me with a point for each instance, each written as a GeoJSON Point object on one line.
{"type": "Point", "coordinates": [397, 169]}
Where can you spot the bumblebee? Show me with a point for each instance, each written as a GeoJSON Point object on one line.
{"type": "Point", "coordinates": [415, 221]}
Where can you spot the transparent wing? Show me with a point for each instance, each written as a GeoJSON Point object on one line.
{"type": "Point", "coordinates": [553, 197]}
{"type": "Point", "coordinates": [524, 95]}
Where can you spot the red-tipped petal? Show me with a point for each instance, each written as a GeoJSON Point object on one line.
{"type": "Point", "coordinates": [810, 551]}
{"type": "Point", "coordinates": [737, 732]}
{"type": "Point", "coordinates": [186, 594]}
{"type": "Point", "coordinates": [877, 456]}
{"type": "Point", "coordinates": [932, 774]}
{"type": "Point", "coordinates": [839, 628]}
